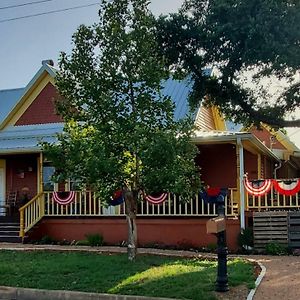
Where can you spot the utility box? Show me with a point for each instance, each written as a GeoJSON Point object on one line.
{"type": "Point", "coordinates": [215, 225]}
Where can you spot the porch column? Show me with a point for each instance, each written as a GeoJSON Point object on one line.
{"type": "Point", "coordinates": [40, 173]}
{"type": "Point", "coordinates": [259, 173]}
{"type": "Point", "coordinates": [240, 152]}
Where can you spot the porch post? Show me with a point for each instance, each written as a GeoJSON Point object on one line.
{"type": "Point", "coordinates": [40, 173]}
{"type": "Point", "coordinates": [241, 185]}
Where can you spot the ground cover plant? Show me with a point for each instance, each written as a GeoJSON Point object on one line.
{"type": "Point", "coordinates": [113, 273]}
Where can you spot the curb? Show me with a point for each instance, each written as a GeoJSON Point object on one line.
{"type": "Point", "coordinates": [11, 293]}
{"type": "Point", "coordinates": [257, 281]}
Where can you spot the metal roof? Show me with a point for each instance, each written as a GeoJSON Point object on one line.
{"type": "Point", "coordinates": [8, 100]}
{"type": "Point", "coordinates": [179, 91]}
{"type": "Point", "coordinates": [214, 136]}
{"type": "Point", "coordinates": [27, 138]}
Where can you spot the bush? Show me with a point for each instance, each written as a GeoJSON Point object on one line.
{"type": "Point", "coordinates": [94, 239]}
{"type": "Point", "coordinates": [275, 248]}
{"type": "Point", "coordinates": [245, 239]}
{"type": "Point", "coordinates": [47, 240]}
{"type": "Point", "coordinates": [82, 243]}
{"type": "Point", "coordinates": [212, 247]}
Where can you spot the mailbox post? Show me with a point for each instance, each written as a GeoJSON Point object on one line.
{"type": "Point", "coordinates": [217, 226]}
{"type": "Point", "coordinates": [222, 276]}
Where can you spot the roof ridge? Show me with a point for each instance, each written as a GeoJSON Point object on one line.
{"type": "Point", "coordinates": [14, 89]}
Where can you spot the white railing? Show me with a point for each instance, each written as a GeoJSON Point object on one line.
{"type": "Point", "coordinates": [87, 204]}
{"type": "Point", "coordinates": [272, 200]}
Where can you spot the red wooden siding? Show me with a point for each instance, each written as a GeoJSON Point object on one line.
{"type": "Point", "coordinates": [218, 165]}
{"type": "Point", "coordinates": [185, 232]}
{"type": "Point", "coordinates": [265, 137]}
{"type": "Point", "coordinates": [42, 109]}
{"type": "Point", "coordinates": [21, 171]}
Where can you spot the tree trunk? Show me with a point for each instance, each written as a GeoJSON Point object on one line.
{"type": "Point", "coordinates": [131, 207]}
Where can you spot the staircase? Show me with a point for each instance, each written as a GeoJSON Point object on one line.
{"type": "Point", "coordinates": [9, 230]}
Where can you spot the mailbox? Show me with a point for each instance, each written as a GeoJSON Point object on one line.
{"type": "Point", "coordinates": [215, 225]}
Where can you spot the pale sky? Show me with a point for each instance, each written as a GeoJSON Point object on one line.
{"type": "Point", "coordinates": [26, 42]}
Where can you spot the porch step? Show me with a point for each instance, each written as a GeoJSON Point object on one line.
{"type": "Point", "coordinates": [9, 231]}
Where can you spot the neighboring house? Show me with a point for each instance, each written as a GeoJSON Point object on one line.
{"type": "Point", "coordinates": [27, 117]}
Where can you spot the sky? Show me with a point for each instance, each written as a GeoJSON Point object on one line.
{"type": "Point", "coordinates": [24, 43]}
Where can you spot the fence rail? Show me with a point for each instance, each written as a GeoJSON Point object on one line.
{"type": "Point", "coordinates": [87, 204]}
{"type": "Point", "coordinates": [272, 200]}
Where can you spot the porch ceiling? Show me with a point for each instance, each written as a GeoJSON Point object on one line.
{"type": "Point", "coordinates": [217, 137]}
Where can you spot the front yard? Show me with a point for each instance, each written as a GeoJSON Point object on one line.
{"type": "Point", "coordinates": [113, 273]}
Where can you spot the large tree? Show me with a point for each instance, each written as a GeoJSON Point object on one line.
{"type": "Point", "coordinates": [254, 48]}
{"type": "Point", "coordinates": [120, 131]}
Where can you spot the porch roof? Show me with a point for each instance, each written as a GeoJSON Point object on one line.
{"type": "Point", "coordinates": [20, 139]}
{"type": "Point", "coordinates": [204, 137]}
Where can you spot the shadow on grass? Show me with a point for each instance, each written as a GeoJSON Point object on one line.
{"type": "Point", "coordinates": [149, 275]}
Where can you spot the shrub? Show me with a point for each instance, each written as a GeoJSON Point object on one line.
{"type": "Point", "coordinates": [275, 248]}
{"type": "Point", "coordinates": [245, 239]}
{"type": "Point", "coordinates": [82, 243]}
{"type": "Point", "coordinates": [212, 247]}
{"type": "Point", "coordinates": [47, 240]}
{"type": "Point", "coordinates": [94, 239]}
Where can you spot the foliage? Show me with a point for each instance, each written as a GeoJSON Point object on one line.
{"type": "Point", "coordinates": [94, 239]}
{"type": "Point", "coordinates": [47, 240]}
{"type": "Point", "coordinates": [82, 243]}
{"type": "Point", "coordinates": [120, 130]}
{"type": "Point", "coordinates": [275, 248]}
{"type": "Point", "coordinates": [148, 276]}
{"type": "Point", "coordinates": [245, 238]}
{"type": "Point", "coordinates": [252, 45]}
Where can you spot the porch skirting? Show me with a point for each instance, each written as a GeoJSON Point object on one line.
{"type": "Point", "coordinates": [184, 232]}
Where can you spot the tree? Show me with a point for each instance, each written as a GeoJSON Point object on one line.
{"type": "Point", "coordinates": [120, 130]}
{"type": "Point", "coordinates": [253, 46]}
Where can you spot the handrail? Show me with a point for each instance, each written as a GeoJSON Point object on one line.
{"type": "Point", "coordinates": [30, 202]}
{"type": "Point", "coordinates": [31, 213]}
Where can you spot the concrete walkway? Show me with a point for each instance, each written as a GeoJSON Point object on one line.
{"type": "Point", "coordinates": [282, 279]}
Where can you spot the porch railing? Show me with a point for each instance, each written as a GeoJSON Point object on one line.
{"type": "Point", "coordinates": [31, 213]}
{"type": "Point", "coordinates": [86, 204]}
{"type": "Point", "coordinates": [272, 200]}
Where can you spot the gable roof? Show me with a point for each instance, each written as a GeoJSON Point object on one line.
{"type": "Point", "coordinates": [12, 100]}
{"type": "Point", "coordinates": [8, 100]}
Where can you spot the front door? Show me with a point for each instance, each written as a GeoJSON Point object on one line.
{"type": "Point", "coordinates": [2, 187]}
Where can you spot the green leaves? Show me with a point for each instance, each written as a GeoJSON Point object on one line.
{"type": "Point", "coordinates": [252, 45]}
{"type": "Point", "coordinates": [120, 129]}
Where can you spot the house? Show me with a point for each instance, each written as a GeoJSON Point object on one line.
{"type": "Point", "coordinates": [28, 116]}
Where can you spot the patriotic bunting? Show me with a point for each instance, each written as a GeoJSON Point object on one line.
{"type": "Point", "coordinates": [63, 198]}
{"type": "Point", "coordinates": [156, 199]}
{"type": "Point", "coordinates": [287, 187]}
{"type": "Point", "coordinates": [117, 198]}
{"type": "Point", "coordinates": [258, 187]}
{"type": "Point", "coordinates": [214, 195]}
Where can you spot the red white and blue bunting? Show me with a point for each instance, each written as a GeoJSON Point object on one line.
{"type": "Point", "coordinates": [214, 195]}
{"type": "Point", "coordinates": [156, 199]}
{"type": "Point", "coordinates": [117, 198]}
{"type": "Point", "coordinates": [287, 187]}
{"type": "Point", "coordinates": [258, 187]}
{"type": "Point", "coordinates": [63, 198]}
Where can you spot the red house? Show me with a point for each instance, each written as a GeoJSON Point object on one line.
{"type": "Point", "coordinates": [28, 116]}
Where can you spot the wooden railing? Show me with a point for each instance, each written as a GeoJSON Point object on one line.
{"type": "Point", "coordinates": [272, 200]}
{"type": "Point", "coordinates": [86, 204]}
{"type": "Point", "coordinates": [31, 213]}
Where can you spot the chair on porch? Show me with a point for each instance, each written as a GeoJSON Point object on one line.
{"type": "Point", "coordinates": [11, 202]}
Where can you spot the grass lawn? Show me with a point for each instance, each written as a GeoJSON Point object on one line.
{"type": "Point", "coordinates": [103, 273]}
